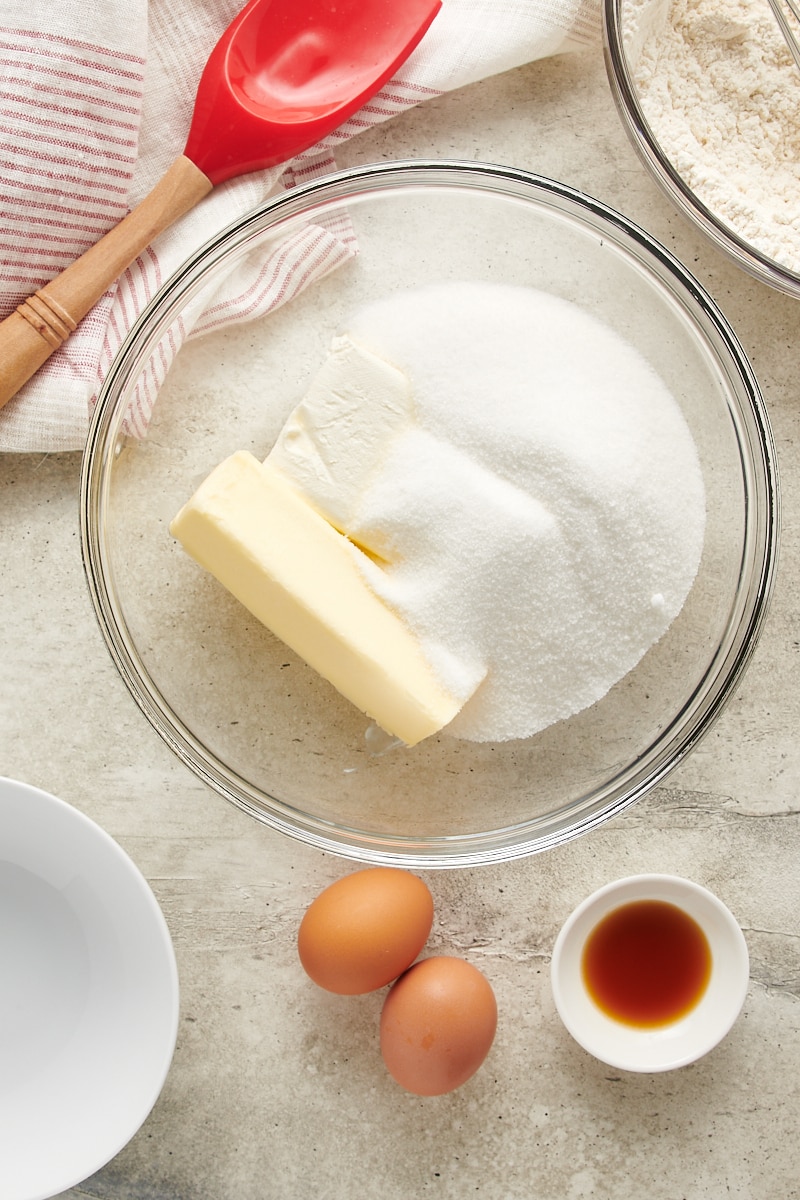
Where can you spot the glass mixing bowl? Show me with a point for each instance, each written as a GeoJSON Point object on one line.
{"type": "Point", "coordinates": [628, 24]}
{"type": "Point", "coordinates": [244, 713]}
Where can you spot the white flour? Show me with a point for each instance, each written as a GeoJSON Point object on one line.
{"type": "Point", "coordinates": [543, 513]}
{"type": "Point", "coordinates": [722, 95]}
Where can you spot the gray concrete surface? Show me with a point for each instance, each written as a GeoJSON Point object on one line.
{"type": "Point", "coordinates": [277, 1089]}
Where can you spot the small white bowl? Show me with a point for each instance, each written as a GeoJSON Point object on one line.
{"type": "Point", "coordinates": [662, 1047]}
{"type": "Point", "coordinates": [88, 995]}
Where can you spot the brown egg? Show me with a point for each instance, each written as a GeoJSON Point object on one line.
{"type": "Point", "coordinates": [365, 930]}
{"type": "Point", "coordinates": [437, 1025]}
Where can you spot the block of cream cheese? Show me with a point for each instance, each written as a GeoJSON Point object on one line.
{"type": "Point", "coordinates": [337, 439]}
{"type": "Point", "coordinates": [300, 577]}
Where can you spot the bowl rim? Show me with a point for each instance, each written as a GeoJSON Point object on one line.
{"type": "Point", "coordinates": [762, 504]}
{"type": "Point", "coordinates": [650, 1050]}
{"type": "Point", "coordinates": [623, 88]}
{"type": "Point", "coordinates": [103, 862]}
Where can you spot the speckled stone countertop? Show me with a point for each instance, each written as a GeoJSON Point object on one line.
{"type": "Point", "coordinates": [276, 1088]}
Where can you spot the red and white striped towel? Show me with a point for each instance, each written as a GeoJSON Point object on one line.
{"type": "Point", "coordinates": [95, 102]}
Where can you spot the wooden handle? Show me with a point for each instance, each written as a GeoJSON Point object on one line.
{"type": "Point", "coordinates": [42, 322]}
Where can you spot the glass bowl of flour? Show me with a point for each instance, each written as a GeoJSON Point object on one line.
{"type": "Point", "coordinates": [710, 97]}
{"type": "Point", "coordinates": [499, 527]}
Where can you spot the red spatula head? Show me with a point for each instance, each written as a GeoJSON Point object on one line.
{"type": "Point", "coordinates": [287, 72]}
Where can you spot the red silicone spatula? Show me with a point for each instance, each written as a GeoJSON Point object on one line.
{"type": "Point", "coordinates": [283, 75]}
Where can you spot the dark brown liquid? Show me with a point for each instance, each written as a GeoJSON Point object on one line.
{"type": "Point", "coordinates": [646, 963]}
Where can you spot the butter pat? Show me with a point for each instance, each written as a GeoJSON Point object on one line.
{"type": "Point", "coordinates": [300, 577]}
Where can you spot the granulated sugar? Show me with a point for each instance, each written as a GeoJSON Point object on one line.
{"type": "Point", "coordinates": [721, 94]}
{"type": "Point", "coordinates": [543, 512]}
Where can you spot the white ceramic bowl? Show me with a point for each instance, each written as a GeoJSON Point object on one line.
{"type": "Point", "coordinates": [664, 1047]}
{"type": "Point", "coordinates": [88, 995]}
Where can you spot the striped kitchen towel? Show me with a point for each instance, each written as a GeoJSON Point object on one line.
{"type": "Point", "coordinates": [95, 103]}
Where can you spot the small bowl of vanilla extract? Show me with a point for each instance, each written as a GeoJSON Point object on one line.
{"type": "Point", "coordinates": [650, 972]}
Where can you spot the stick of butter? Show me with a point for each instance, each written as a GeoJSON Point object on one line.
{"type": "Point", "coordinates": [300, 577]}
